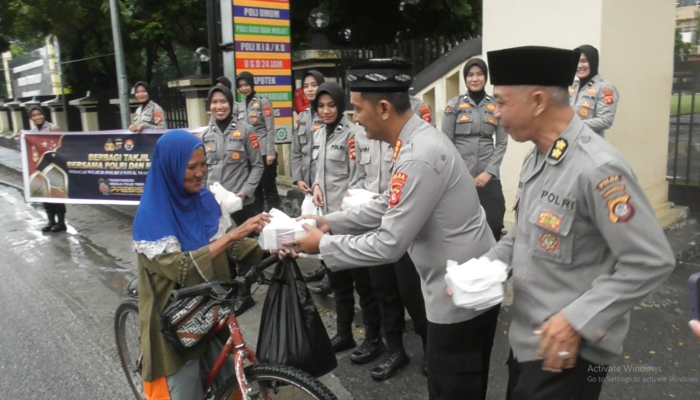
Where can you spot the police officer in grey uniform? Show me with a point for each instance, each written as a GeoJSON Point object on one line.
{"type": "Point", "coordinates": [470, 124]}
{"type": "Point", "coordinates": [396, 285]}
{"type": "Point", "coordinates": [423, 110]}
{"type": "Point", "coordinates": [303, 167]}
{"type": "Point", "coordinates": [303, 170]}
{"type": "Point", "coordinates": [586, 246]}
{"type": "Point", "coordinates": [149, 115]}
{"type": "Point", "coordinates": [53, 210]}
{"type": "Point", "coordinates": [258, 112]}
{"type": "Point", "coordinates": [336, 171]}
{"type": "Point", "coordinates": [431, 210]}
{"type": "Point", "coordinates": [233, 160]}
{"type": "Point", "coordinates": [593, 99]}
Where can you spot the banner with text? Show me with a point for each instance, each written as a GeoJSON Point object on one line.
{"type": "Point", "coordinates": [106, 167]}
{"type": "Point", "coordinates": [263, 48]}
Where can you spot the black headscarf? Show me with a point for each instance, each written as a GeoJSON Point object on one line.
{"type": "Point", "coordinates": [38, 108]}
{"type": "Point", "coordinates": [250, 80]}
{"type": "Point", "coordinates": [224, 81]}
{"type": "Point", "coordinates": [320, 80]}
{"type": "Point", "coordinates": [477, 96]}
{"type": "Point", "coordinates": [338, 95]}
{"type": "Point", "coordinates": [593, 62]}
{"type": "Point", "coordinates": [222, 125]}
{"type": "Point", "coordinates": [145, 87]}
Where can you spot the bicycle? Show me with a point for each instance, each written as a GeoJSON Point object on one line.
{"type": "Point", "coordinates": [254, 381]}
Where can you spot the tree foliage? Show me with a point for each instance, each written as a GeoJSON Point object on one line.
{"type": "Point", "coordinates": [160, 36]}
{"type": "Point", "coordinates": [371, 22]}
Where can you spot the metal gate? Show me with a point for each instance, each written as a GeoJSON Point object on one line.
{"type": "Point", "coordinates": [173, 103]}
{"type": "Point", "coordinates": [683, 169]}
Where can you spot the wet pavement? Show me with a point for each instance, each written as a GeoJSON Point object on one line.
{"type": "Point", "coordinates": [60, 291]}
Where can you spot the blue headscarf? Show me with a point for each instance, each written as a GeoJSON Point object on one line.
{"type": "Point", "coordinates": [166, 208]}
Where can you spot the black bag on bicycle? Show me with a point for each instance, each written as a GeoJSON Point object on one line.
{"type": "Point", "coordinates": [291, 330]}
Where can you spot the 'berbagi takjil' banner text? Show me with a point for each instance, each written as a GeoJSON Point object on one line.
{"type": "Point", "coordinates": [105, 167]}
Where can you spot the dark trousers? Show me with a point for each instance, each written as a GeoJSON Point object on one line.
{"type": "Point", "coordinates": [459, 356]}
{"type": "Point", "coordinates": [527, 381]}
{"type": "Point", "coordinates": [397, 286]}
{"type": "Point", "coordinates": [494, 204]}
{"type": "Point", "coordinates": [54, 210]}
{"type": "Point", "coordinates": [344, 283]}
{"type": "Point", "coordinates": [266, 195]}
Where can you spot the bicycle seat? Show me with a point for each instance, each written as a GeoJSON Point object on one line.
{"type": "Point", "coordinates": [132, 288]}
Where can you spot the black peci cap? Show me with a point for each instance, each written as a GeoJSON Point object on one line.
{"type": "Point", "coordinates": [380, 76]}
{"type": "Point", "coordinates": [533, 65]}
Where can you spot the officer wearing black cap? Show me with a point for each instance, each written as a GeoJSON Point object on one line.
{"type": "Point", "coordinates": [148, 115]}
{"type": "Point", "coordinates": [396, 285]}
{"type": "Point", "coordinates": [431, 210]}
{"type": "Point", "coordinates": [586, 246]}
{"type": "Point", "coordinates": [470, 124]}
{"type": "Point", "coordinates": [258, 112]}
{"type": "Point", "coordinates": [593, 99]}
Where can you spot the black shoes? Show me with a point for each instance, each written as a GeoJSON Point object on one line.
{"type": "Point", "coordinates": [48, 226]}
{"type": "Point", "coordinates": [341, 343]}
{"type": "Point", "coordinates": [242, 305]}
{"type": "Point", "coordinates": [370, 349]}
{"type": "Point", "coordinates": [316, 275]}
{"type": "Point", "coordinates": [393, 361]}
{"type": "Point", "coordinates": [59, 227]}
{"type": "Point", "coordinates": [54, 227]}
{"type": "Point", "coordinates": [324, 288]}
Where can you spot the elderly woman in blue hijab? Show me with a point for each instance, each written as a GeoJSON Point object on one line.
{"type": "Point", "coordinates": [181, 239]}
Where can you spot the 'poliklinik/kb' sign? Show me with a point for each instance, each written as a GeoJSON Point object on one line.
{"type": "Point", "coordinates": [261, 36]}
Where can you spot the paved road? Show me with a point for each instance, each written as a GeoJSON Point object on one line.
{"type": "Point", "coordinates": [60, 291]}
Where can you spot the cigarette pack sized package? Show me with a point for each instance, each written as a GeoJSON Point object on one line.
{"type": "Point", "coordinates": [476, 284]}
{"type": "Point", "coordinates": [356, 198]}
{"type": "Point", "coordinates": [280, 229]}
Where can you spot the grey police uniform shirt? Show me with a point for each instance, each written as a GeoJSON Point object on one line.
{"type": "Point", "coordinates": [151, 115]}
{"type": "Point", "coordinates": [46, 127]}
{"type": "Point", "coordinates": [472, 128]}
{"type": "Point", "coordinates": [303, 169]}
{"type": "Point", "coordinates": [260, 114]}
{"type": "Point", "coordinates": [430, 210]}
{"type": "Point", "coordinates": [423, 110]}
{"type": "Point", "coordinates": [586, 243]}
{"type": "Point", "coordinates": [335, 159]}
{"type": "Point", "coordinates": [595, 103]}
{"type": "Point", "coordinates": [233, 158]}
{"type": "Point", "coordinates": [374, 162]}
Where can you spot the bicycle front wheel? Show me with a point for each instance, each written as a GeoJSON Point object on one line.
{"type": "Point", "coordinates": [127, 331]}
{"type": "Point", "coordinates": [279, 381]}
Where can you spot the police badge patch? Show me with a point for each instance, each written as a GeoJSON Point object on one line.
{"type": "Point", "coordinates": [620, 209]}
{"type": "Point", "coordinates": [549, 242]}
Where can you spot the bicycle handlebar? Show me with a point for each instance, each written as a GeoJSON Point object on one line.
{"type": "Point", "coordinates": [253, 275]}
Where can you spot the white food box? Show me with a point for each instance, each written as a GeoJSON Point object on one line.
{"type": "Point", "coordinates": [280, 229]}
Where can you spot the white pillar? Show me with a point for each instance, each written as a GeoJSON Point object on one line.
{"type": "Point", "coordinates": [635, 41]}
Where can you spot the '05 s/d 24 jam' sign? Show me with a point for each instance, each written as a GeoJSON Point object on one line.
{"type": "Point", "coordinates": [86, 167]}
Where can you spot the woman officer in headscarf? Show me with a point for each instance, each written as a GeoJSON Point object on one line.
{"type": "Point", "coordinates": [336, 172]}
{"type": "Point", "coordinates": [53, 210]}
{"type": "Point", "coordinates": [470, 123]}
{"type": "Point", "coordinates": [149, 115]}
